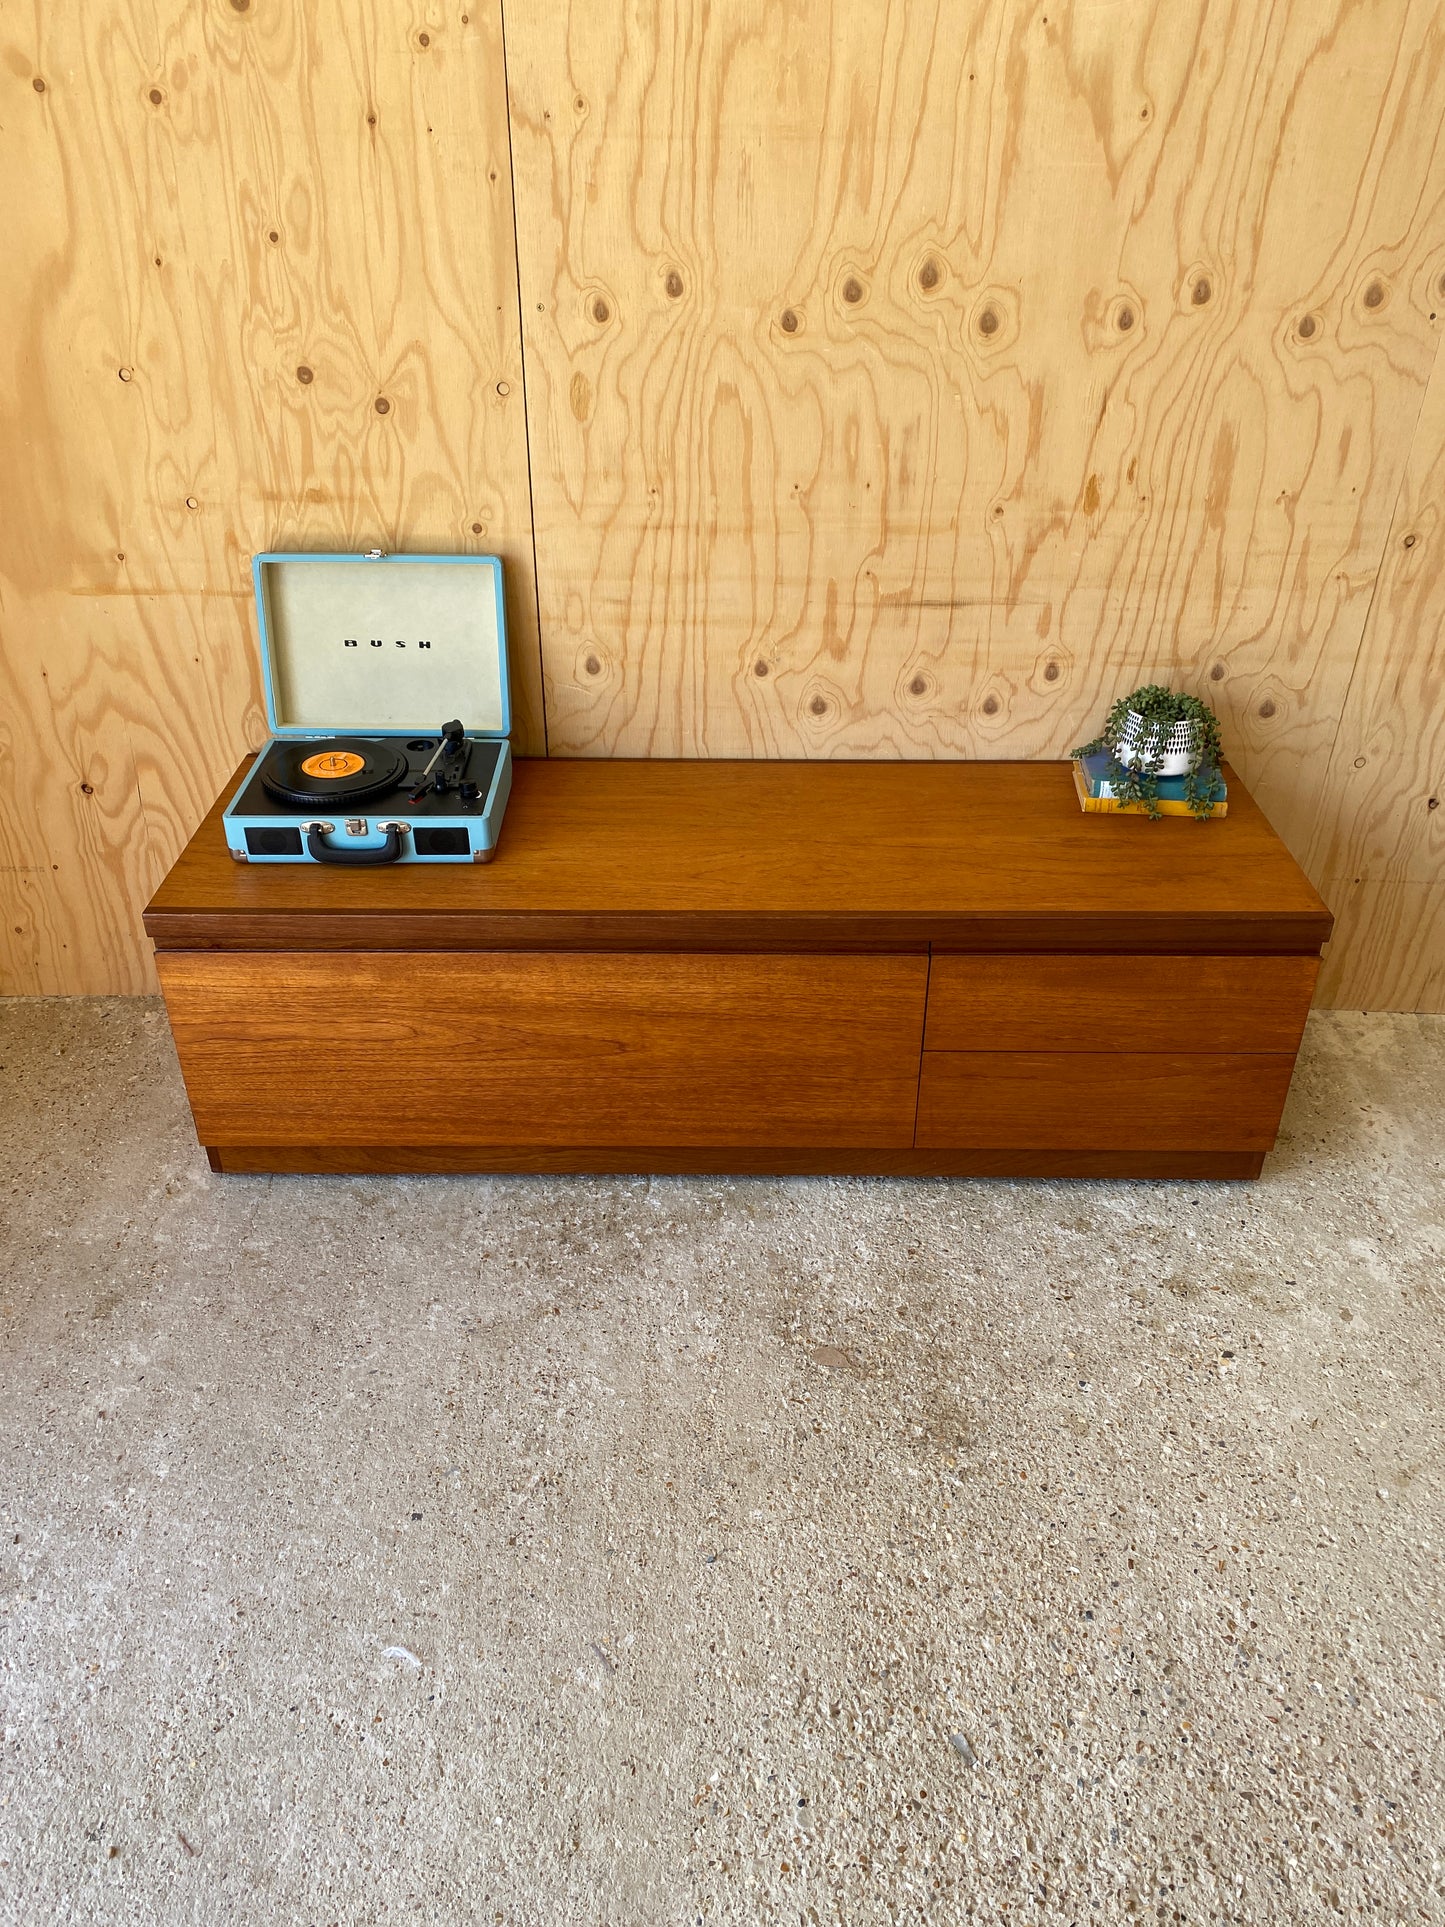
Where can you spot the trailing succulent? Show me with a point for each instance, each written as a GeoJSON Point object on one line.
{"type": "Point", "coordinates": [1158, 710]}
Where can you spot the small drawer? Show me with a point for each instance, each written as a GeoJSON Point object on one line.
{"type": "Point", "coordinates": [1105, 1101]}
{"type": "Point", "coordinates": [1118, 1003]}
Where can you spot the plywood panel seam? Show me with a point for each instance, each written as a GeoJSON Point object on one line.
{"type": "Point", "coordinates": [522, 362]}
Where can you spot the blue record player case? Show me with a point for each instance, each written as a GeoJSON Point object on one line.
{"type": "Point", "coordinates": [367, 659]}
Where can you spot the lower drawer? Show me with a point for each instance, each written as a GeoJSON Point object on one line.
{"type": "Point", "coordinates": [539, 1048]}
{"type": "Point", "coordinates": [1101, 1101]}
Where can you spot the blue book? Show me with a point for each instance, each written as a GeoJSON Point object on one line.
{"type": "Point", "coordinates": [1095, 770]}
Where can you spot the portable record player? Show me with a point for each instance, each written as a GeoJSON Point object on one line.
{"type": "Point", "coordinates": [364, 656]}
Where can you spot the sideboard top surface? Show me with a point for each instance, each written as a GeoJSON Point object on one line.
{"type": "Point", "coordinates": [661, 854]}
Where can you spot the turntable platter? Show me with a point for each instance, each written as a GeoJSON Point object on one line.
{"type": "Point", "coordinates": [340, 770]}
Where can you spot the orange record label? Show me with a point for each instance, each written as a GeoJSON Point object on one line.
{"type": "Point", "coordinates": [334, 762]}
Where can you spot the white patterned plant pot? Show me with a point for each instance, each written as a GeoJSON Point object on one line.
{"type": "Point", "coordinates": [1167, 752]}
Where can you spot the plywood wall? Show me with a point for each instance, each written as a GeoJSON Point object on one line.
{"type": "Point", "coordinates": [1379, 847]}
{"type": "Point", "coordinates": [259, 291]}
{"type": "Point", "coordinates": [901, 379]}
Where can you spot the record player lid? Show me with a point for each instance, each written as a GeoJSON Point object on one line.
{"type": "Point", "coordinates": [383, 642]}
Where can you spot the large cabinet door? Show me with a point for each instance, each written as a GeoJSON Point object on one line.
{"type": "Point", "coordinates": [547, 1048]}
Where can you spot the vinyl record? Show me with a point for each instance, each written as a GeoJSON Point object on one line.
{"type": "Point", "coordinates": [338, 770]}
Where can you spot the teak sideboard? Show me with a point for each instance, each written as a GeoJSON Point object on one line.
{"type": "Point", "coordinates": [938, 968]}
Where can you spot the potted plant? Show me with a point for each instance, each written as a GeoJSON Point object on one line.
{"type": "Point", "coordinates": [1159, 732]}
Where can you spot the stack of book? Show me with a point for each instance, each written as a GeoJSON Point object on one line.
{"type": "Point", "coordinates": [1095, 791]}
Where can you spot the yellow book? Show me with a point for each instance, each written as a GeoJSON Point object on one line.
{"type": "Point", "coordinates": [1111, 806]}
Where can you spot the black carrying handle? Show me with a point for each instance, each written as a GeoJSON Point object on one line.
{"type": "Point", "coordinates": [326, 853]}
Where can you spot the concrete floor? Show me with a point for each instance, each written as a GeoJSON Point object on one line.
{"type": "Point", "coordinates": [654, 1552]}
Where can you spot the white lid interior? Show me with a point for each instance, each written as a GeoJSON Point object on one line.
{"type": "Point", "coordinates": [312, 605]}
